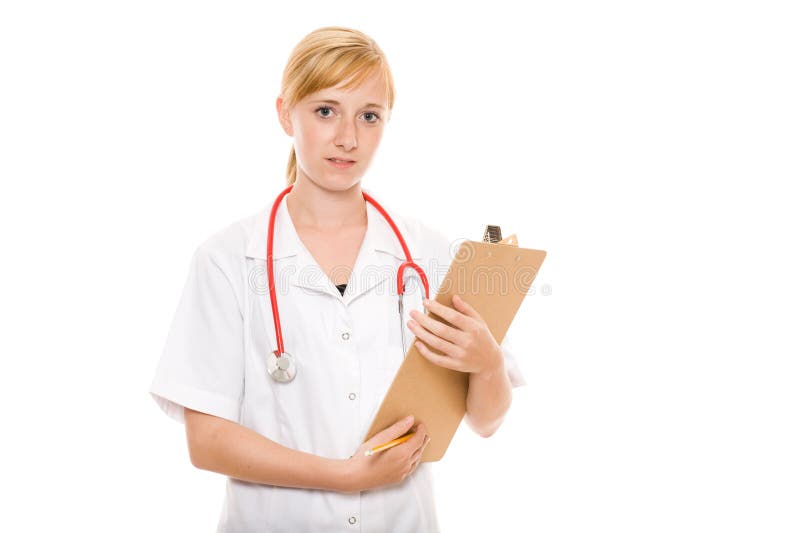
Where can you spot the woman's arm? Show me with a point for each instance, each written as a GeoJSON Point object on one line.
{"type": "Point", "coordinates": [222, 446]}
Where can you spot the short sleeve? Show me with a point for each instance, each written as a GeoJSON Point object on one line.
{"type": "Point", "coordinates": [202, 364]}
{"type": "Point", "coordinates": [513, 370]}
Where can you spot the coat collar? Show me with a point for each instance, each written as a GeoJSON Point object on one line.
{"type": "Point", "coordinates": [378, 258]}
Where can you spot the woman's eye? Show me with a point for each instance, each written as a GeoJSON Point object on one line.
{"type": "Point", "coordinates": [325, 108]}
{"type": "Point", "coordinates": [374, 115]}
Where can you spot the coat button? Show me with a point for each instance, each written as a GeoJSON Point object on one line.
{"type": "Point", "coordinates": [352, 396]}
{"type": "Point", "coordinates": [352, 520]}
{"type": "Point", "coordinates": [345, 335]}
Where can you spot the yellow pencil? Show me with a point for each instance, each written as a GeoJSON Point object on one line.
{"type": "Point", "coordinates": [389, 444]}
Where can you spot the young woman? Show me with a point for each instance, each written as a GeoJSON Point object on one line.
{"type": "Point", "coordinates": [278, 367]}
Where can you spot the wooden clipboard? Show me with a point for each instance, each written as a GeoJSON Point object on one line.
{"type": "Point", "coordinates": [493, 277]}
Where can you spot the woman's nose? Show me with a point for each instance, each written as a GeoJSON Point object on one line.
{"type": "Point", "coordinates": [346, 135]}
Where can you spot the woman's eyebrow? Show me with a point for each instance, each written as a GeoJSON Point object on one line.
{"type": "Point", "coordinates": [337, 103]}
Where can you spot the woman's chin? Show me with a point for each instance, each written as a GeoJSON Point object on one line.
{"type": "Point", "coordinates": [336, 182]}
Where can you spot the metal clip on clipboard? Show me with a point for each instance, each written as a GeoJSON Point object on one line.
{"type": "Point", "coordinates": [495, 236]}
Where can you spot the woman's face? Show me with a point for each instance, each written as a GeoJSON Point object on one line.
{"type": "Point", "coordinates": [337, 124]}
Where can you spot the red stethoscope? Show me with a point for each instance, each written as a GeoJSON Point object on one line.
{"type": "Point", "coordinates": [282, 367]}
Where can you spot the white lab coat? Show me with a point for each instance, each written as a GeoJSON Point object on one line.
{"type": "Point", "coordinates": [347, 350]}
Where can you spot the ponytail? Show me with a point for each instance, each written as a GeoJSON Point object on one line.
{"type": "Point", "coordinates": [291, 168]}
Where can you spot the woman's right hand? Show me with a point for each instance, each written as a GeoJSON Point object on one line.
{"type": "Point", "coordinates": [365, 472]}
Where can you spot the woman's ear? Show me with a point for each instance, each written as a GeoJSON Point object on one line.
{"type": "Point", "coordinates": [284, 117]}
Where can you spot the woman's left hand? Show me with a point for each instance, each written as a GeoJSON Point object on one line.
{"type": "Point", "coordinates": [466, 346]}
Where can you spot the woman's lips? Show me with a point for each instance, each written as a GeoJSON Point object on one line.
{"type": "Point", "coordinates": [340, 163]}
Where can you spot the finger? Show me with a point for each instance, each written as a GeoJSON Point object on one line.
{"type": "Point", "coordinates": [419, 456]}
{"type": "Point", "coordinates": [416, 455]}
{"type": "Point", "coordinates": [413, 459]}
{"type": "Point", "coordinates": [456, 318]}
{"type": "Point", "coordinates": [419, 435]}
{"type": "Point", "coordinates": [462, 305]}
{"type": "Point", "coordinates": [421, 448]}
{"type": "Point", "coordinates": [420, 445]}
{"type": "Point", "coordinates": [441, 360]}
{"type": "Point", "coordinates": [424, 442]}
{"type": "Point", "coordinates": [444, 346]}
{"type": "Point", "coordinates": [445, 331]}
{"type": "Point", "coordinates": [392, 432]}
{"type": "Point", "coordinates": [404, 448]}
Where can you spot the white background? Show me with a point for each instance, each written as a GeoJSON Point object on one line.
{"type": "Point", "coordinates": [650, 147]}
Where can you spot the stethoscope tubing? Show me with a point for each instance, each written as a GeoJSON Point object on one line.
{"type": "Point", "coordinates": [409, 263]}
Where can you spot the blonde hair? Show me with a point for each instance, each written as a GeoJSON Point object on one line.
{"type": "Point", "coordinates": [325, 58]}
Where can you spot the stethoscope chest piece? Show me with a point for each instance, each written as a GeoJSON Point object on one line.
{"type": "Point", "coordinates": [283, 368]}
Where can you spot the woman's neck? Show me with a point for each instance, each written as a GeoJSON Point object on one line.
{"type": "Point", "coordinates": [317, 209]}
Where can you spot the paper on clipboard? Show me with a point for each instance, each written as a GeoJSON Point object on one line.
{"type": "Point", "coordinates": [493, 277]}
